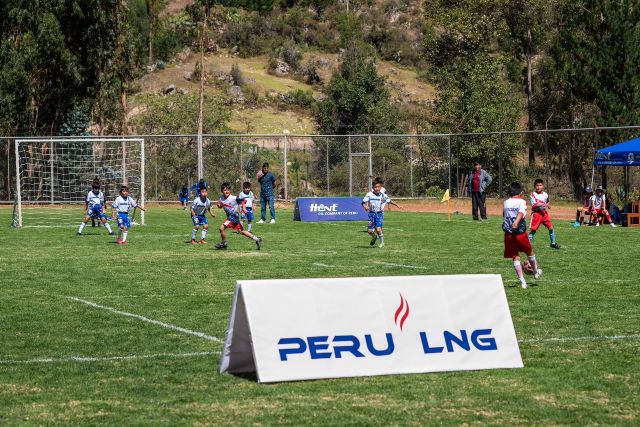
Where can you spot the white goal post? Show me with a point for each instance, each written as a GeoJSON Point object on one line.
{"type": "Point", "coordinates": [60, 170]}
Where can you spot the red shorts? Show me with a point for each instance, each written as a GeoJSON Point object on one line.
{"type": "Point", "coordinates": [233, 225]}
{"type": "Point", "coordinates": [516, 243]}
{"type": "Point", "coordinates": [540, 218]}
{"type": "Point", "coordinates": [597, 211]}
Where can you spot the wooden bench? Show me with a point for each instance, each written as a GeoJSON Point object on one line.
{"type": "Point", "coordinates": [633, 217]}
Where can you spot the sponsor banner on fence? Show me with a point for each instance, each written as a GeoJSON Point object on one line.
{"type": "Point", "coordinates": [300, 329]}
{"type": "Point", "coordinates": [312, 209]}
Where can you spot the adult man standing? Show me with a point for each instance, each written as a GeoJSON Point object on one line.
{"type": "Point", "coordinates": [479, 180]}
{"type": "Point", "coordinates": [267, 184]}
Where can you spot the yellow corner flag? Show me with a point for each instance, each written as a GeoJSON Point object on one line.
{"type": "Point", "coordinates": [445, 197]}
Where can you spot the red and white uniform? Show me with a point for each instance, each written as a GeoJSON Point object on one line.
{"type": "Point", "coordinates": [230, 206]}
{"type": "Point", "coordinates": [539, 207]}
{"type": "Point", "coordinates": [598, 203]}
{"type": "Point", "coordinates": [515, 241]}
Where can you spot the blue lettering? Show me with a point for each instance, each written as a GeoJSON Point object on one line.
{"type": "Point", "coordinates": [425, 345]}
{"type": "Point", "coordinates": [463, 341]}
{"type": "Point", "coordinates": [318, 343]}
{"type": "Point", "coordinates": [483, 344]}
{"type": "Point", "coordinates": [302, 347]}
{"type": "Point", "coordinates": [374, 351]}
{"type": "Point", "coordinates": [352, 348]}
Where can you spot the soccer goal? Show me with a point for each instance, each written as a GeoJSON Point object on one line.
{"type": "Point", "coordinates": [59, 171]}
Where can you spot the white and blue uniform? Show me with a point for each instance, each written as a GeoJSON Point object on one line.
{"type": "Point", "coordinates": [249, 198]}
{"type": "Point", "coordinates": [95, 201]}
{"type": "Point", "coordinates": [122, 206]}
{"type": "Point", "coordinates": [377, 202]}
{"type": "Point", "coordinates": [200, 209]}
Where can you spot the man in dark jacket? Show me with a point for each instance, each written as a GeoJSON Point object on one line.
{"type": "Point", "coordinates": [479, 180]}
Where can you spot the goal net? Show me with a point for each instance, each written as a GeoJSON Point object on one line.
{"type": "Point", "coordinates": [59, 171]}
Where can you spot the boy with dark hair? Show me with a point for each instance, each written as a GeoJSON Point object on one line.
{"type": "Point", "coordinates": [586, 208]}
{"type": "Point", "coordinates": [94, 208]}
{"type": "Point", "coordinates": [229, 203]}
{"type": "Point", "coordinates": [183, 196]}
{"type": "Point", "coordinates": [374, 202]}
{"type": "Point", "coordinates": [121, 207]}
{"type": "Point", "coordinates": [246, 199]}
{"type": "Point", "coordinates": [515, 233]}
{"type": "Point", "coordinates": [199, 186]}
{"type": "Point", "coordinates": [199, 210]}
{"type": "Point", "coordinates": [599, 205]}
{"type": "Point", "coordinates": [539, 204]}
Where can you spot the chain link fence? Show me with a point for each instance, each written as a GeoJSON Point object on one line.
{"type": "Point", "coordinates": [411, 165]}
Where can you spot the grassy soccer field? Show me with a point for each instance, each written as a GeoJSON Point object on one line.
{"type": "Point", "coordinates": [75, 347]}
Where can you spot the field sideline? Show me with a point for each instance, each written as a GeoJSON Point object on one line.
{"type": "Point", "coordinates": [95, 333]}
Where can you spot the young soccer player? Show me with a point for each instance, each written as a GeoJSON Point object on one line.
{"type": "Point", "coordinates": [183, 196]}
{"type": "Point", "coordinates": [246, 198]}
{"type": "Point", "coordinates": [199, 210]}
{"type": "Point", "coordinates": [586, 208]}
{"type": "Point", "coordinates": [199, 186]}
{"type": "Point", "coordinates": [539, 205]}
{"type": "Point", "coordinates": [374, 203]}
{"type": "Point", "coordinates": [599, 206]}
{"type": "Point", "coordinates": [515, 233]}
{"type": "Point", "coordinates": [94, 208]}
{"type": "Point", "coordinates": [121, 206]}
{"type": "Point", "coordinates": [229, 203]}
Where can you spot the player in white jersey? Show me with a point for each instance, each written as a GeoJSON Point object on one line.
{"type": "Point", "coordinates": [540, 205]}
{"type": "Point", "coordinates": [229, 203]}
{"type": "Point", "coordinates": [246, 198]}
{"type": "Point", "coordinates": [514, 226]}
{"type": "Point", "coordinates": [199, 208]}
{"type": "Point", "coordinates": [374, 203]}
{"type": "Point", "coordinates": [599, 206]}
{"type": "Point", "coordinates": [120, 211]}
{"type": "Point", "coordinates": [94, 208]}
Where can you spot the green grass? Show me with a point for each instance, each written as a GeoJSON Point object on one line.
{"type": "Point", "coordinates": [589, 293]}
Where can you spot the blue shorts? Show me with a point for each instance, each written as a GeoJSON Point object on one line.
{"type": "Point", "coordinates": [376, 219]}
{"type": "Point", "coordinates": [183, 199]}
{"type": "Point", "coordinates": [123, 220]}
{"type": "Point", "coordinates": [249, 215]}
{"type": "Point", "coordinates": [96, 212]}
{"type": "Point", "coordinates": [199, 220]}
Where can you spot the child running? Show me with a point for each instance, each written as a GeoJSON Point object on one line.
{"type": "Point", "coordinates": [199, 209]}
{"type": "Point", "coordinates": [121, 206]}
{"type": "Point", "coordinates": [94, 208]}
{"type": "Point", "coordinates": [229, 203]}
{"type": "Point", "coordinates": [246, 197]}
{"type": "Point", "coordinates": [515, 233]}
{"type": "Point", "coordinates": [539, 205]}
{"type": "Point", "coordinates": [183, 196]}
{"type": "Point", "coordinates": [374, 203]}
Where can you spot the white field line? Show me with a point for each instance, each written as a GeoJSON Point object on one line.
{"type": "Point", "coordinates": [319, 264]}
{"type": "Point", "coordinates": [364, 228]}
{"type": "Point", "coordinates": [565, 339]}
{"type": "Point", "coordinates": [146, 319]}
{"type": "Point", "coordinates": [52, 226]}
{"type": "Point", "coordinates": [156, 296]}
{"type": "Point", "coordinates": [390, 264]}
{"type": "Point", "coordinates": [105, 359]}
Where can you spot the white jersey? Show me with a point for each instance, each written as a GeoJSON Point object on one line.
{"type": "Point", "coordinates": [230, 206]}
{"type": "Point", "coordinates": [94, 199]}
{"type": "Point", "coordinates": [538, 201]}
{"type": "Point", "coordinates": [199, 207]}
{"type": "Point", "coordinates": [248, 197]}
{"type": "Point", "coordinates": [512, 207]}
{"type": "Point", "coordinates": [122, 205]}
{"type": "Point", "coordinates": [377, 202]}
{"type": "Point", "coordinates": [598, 202]}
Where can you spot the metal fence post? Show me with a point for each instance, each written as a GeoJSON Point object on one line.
{"type": "Point", "coordinates": [500, 166]}
{"type": "Point", "coordinates": [370, 164]}
{"type": "Point", "coordinates": [51, 160]}
{"type": "Point", "coordinates": [449, 155]}
{"type": "Point", "coordinates": [350, 170]}
{"type": "Point", "coordinates": [327, 167]}
{"type": "Point", "coordinates": [286, 178]}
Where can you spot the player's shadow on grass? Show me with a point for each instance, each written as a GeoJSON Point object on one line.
{"type": "Point", "coordinates": [247, 376]}
{"type": "Point", "coordinates": [517, 285]}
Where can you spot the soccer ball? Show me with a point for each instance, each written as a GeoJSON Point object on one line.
{"type": "Point", "coordinates": [526, 267]}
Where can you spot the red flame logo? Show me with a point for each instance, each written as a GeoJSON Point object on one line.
{"type": "Point", "coordinates": [401, 313]}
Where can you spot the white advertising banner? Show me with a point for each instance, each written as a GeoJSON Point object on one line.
{"type": "Point", "coordinates": [301, 329]}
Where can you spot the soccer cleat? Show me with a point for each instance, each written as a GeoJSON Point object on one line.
{"type": "Point", "coordinates": [523, 284]}
{"type": "Point", "coordinates": [555, 246]}
{"type": "Point", "coordinates": [221, 245]}
{"type": "Point", "coordinates": [193, 241]}
{"type": "Point", "coordinates": [273, 221]}
{"type": "Point", "coordinates": [373, 240]}
{"type": "Point", "coordinates": [261, 221]}
{"type": "Point", "coordinates": [78, 234]}
{"type": "Point", "coordinates": [259, 243]}
{"type": "Point", "coordinates": [576, 224]}
{"type": "Point", "coordinates": [598, 224]}
{"type": "Point", "coordinates": [538, 274]}
{"type": "Point", "coordinates": [120, 241]}
{"type": "Point", "coordinates": [612, 225]}
{"type": "Point", "coordinates": [111, 233]}
{"type": "Point", "coordinates": [381, 245]}
{"type": "Point", "coordinates": [202, 241]}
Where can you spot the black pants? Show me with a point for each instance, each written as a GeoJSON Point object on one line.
{"type": "Point", "coordinates": [477, 202]}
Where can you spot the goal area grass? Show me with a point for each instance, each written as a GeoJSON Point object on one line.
{"type": "Point", "coordinates": [96, 333]}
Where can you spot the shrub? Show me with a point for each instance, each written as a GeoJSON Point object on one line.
{"type": "Point", "coordinates": [236, 75]}
{"type": "Point", "coordinates": [291, 55]}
